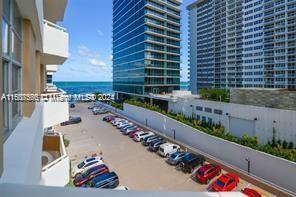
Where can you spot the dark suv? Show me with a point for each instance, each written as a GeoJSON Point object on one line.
{"type": "Point", "coordinates": [105, 181]}
{"type": "Point", "coordinates": [190, 162]}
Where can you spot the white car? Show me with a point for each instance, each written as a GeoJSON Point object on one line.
{"type": "Point", "coordinates": [141, 135]}
{"type": "Point", "coordinates": [167, 149]}
{"type": "Point", "coordinates": [119, 122]}
{"type": "Point", "coordinates": [121, 188]}
{"type": "Point", "coordinates": [116, 120]}
{"type": "Point", "coordinates": [94, 109]}
{"type": "Point", "coordinates": [87, 164]}
{"type": "Point", "coordinates": [123, 124]}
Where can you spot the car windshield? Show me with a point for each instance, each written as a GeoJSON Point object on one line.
{"type": "Point", "coordinates": [80, 165]}
{"type": "Point", "coordinates": [174, 155]}
{"type": "Point", "coordinates": [220, 183]}
{"type": "Point", "coordinates": [200, 172]}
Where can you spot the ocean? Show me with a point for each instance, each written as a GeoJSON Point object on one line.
{"type": "Point", "coordinates": [91, 87]}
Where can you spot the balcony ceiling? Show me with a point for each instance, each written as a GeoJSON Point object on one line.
{"type": "Point", "coordinates": [54, 10]}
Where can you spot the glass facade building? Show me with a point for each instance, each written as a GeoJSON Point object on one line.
{"type": "Point", "coordinates": [242, 44]}
{"type": "Point", "coordinates": [146, 46]}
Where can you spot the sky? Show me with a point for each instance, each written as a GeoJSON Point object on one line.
{"type": "Point", "coordinates": [89, 24]}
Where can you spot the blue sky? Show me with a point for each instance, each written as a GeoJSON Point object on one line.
{"type": "Point", "coordinates": [89, 23]}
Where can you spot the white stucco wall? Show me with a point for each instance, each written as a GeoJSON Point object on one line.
{"type": "Point", "coordinates": [264, 118]}
{"type": "Point", "coordinates": [275, 170]}
{"type": "Point", "coordinates": [55, 112]}
{"type": "Point", "coordinates": [22, 151]}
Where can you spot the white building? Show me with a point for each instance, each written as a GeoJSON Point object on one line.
{"type": "Point", "coordinates": [237, 119]}
{"type": "Point", "coordinates": [242, 44]}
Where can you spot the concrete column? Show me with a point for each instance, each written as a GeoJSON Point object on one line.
{"type": "Point", "coordinates": [29, 66]}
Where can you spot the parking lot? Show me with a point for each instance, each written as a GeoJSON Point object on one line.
{"type": "Point", "coordinates": [137, 168]}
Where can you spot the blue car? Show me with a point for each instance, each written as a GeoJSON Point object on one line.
{"type": "Point", "coordinates": [175, 158]}
{"type": "Point", "coordinates": [104, 181]}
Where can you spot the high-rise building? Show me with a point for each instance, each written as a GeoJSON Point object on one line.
{"type": "Point", "coordinates": [242, 44]}
{"type": "Point", "coordinates": [146, 46]}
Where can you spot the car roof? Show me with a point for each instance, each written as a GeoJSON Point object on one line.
{"type": "Point", "coordinates": [104, 176]}
{"type": "Point", "coordinates": [97, 167]}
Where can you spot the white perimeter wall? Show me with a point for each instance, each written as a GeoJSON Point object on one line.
{"type": "Point", "coordinates": [277, 171]}
{"type": "Point", "coordinates": [284, 121]}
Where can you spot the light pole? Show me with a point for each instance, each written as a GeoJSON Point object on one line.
{"type": "Point", "coordinates": [249, 164]}
{"type": "Point", "coordinates": [192, 114]}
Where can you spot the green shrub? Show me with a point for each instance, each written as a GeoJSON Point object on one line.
{"type": "Point", "coordinates": [275, 148]}
{"type": "Point", "coordinates": [66, 142]}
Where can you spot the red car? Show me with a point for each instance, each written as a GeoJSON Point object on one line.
{"type": "Point", "coordinates": [251, 192]}
{"type": "Point", "coordinates": [207, 172]}
{"type": "Point", "coordinates": [109, 118]}
{"type": "Point", "coordinates": [132, 134]}
{"type": "Point", "coordinates": [226, 183]}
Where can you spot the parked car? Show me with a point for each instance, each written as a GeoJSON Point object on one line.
{"type": "Point", "coordinates": [117, 122]}
{"type": "Point", "coordinates": [96, 108]}
{"type": "Point", "coordinates": [100, 111]}
{"type": "Point", "coordinates": [91, 106]}
{"type": "Point", "coordinates": [251, 192]}
{"type": "Point", "coordinates": [105, 181]}
{"type": "Point", "coordinates": [141, 135]}
{"type": "Point", "coordinates": [150, 139]}
{"type": "Point", "coordinates": [207, 172]}
{"type": "Point", "coordinates": [109, 118]}
{"type": "Point", "coordinates": [190, 162]}
{"type": "Point", "coordinates": [226, 183]}
{"type": "Point", "coordinates": [124, 124]}
{"type": "Point", "coordinates": [87, 164]}
{"type": "Point", "coordinates": [121, 188]}
{"type": "Point", "coordinates": [89, 174]}
{"type": "Point", "coordinates": [132, 134]}
{"type": "Point", "coordinates": [167, 149]}
{"type": "Point", "coordinates": [123, 129]}
{"type": "Point", "coordinates": [175, 158]}
{"type": "Point", "coordinates": [154, 146]}
{"type": "Point", "coordinates": [72, 120]}
{"type": "Point", "coordinates": [130, 130]}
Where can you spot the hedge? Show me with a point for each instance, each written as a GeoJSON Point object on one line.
{"type": "Point", "coordinates": [284, 151]}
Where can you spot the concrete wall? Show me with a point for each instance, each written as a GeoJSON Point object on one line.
{"type": "Point", "coordinates": [264, 119]}
{"type": "Point", "coordinates": [281, 99]}
{"type": "Point", "coordinates": [57, 173]}
{"type": "Point", "coordinates": [29, 66]}
{"type": "Point", "coordinates": [277, 171]}
{"type": "Point", "coordinates": [22, 151]}
{"type": "Point", "coordinates": [51, 117]}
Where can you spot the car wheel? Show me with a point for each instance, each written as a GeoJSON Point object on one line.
{"type": "Point", "coordinates": [219, 173]}
{"type": "Point", "coordinates": [76, 175]}
{"type": "Point", "coordinates": [167, 155]}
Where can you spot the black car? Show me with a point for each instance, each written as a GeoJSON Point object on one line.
{"type": "Point", "coordinates": [150, 139]}
{"type": "Point", "coordinates": [154, 146]}
{"type": "Point", "coordinates": [72, 120]}
{"type": "Point", "coordinates": [104, 181]}
{"type": "Point", "coordinates": [190, 162]}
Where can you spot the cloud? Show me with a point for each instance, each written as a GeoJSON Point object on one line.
{"type": "Point", "coordinates": [84, 51]}
{"type": "Point", "coordinates": [96, 62]}
{"type": "Point", "coordinates": [100, 32]}
{"type": "Point", "coordinates": [111, 57]}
